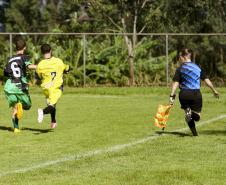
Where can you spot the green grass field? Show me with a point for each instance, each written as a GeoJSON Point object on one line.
{"type": "Point", "coordinates": [105, 136]}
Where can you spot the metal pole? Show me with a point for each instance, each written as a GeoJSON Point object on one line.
{"type": "Point", "coordinates": [10, 45]}
{"type": "Point", "coordinates": [167, 60]}
{"type": "Point", "coordinates": [84, 60]}
{"type": "Point", "coordinates": [107, 33]}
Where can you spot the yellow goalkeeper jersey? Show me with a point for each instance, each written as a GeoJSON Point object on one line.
{"type": "Point", "coordinates": [50, 71]}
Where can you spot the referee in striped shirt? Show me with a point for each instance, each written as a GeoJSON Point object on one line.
{"type": "Point", "coordinates": [187, 77]}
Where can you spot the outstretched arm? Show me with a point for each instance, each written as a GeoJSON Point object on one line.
{"type": "Point", "coordinates": [32, 66]}
{"type": "Point", "coordinates": [210, 85]}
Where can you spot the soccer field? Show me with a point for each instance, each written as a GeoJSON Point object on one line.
{"type": "Point", "coordinates": [105, 136]}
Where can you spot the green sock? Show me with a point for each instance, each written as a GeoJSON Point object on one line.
{"type": "Point", "coordinates": [15, 123]}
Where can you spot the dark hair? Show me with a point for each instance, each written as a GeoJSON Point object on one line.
{"type": "Point", "coordinates": [45, 48]}
{"type": "Point", "coordinates": [20, 44]}
{"type": "Point", "coordinates": [185, 53]}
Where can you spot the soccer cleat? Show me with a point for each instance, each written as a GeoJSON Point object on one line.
{"type": "Point", "coordinates": [40, 115]}
{"type": "Point", "coordinates": [53, 125]}
{"type": "Point", "coordinates": [188, 115]}
{"type": "Point", "coordinates": [19, 113]}
{"type": "Point", "coordinates": [17, 130]}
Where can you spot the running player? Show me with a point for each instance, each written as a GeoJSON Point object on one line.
{"type": "Point", "coordinates": [187, 77]}
{"type": "Point", "coordinates": [16, 86]}
{"type": "Point", "coordinates": [50, 71]}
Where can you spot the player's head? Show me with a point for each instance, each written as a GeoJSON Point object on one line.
{"type": "Point", "coordinates": [45, 49]}
{"type": "Point", "coordinates": [20, 44]}
{"type": "Point", "coordinates": [185, 54]}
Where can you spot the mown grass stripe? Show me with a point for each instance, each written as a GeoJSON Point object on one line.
{"type": "Point", "coordinates": [103, 151]}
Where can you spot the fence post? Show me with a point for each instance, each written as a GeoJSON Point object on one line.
{"type": "Point", "coordinates": [84, 60]}
{"type": "Point", "coordinates": [167, 60]}
{"type": "Point", "coordinates": [10, 45]}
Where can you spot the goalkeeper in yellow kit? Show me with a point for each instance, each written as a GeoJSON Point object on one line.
{"type": "Point", "coordinates": [50, 71]}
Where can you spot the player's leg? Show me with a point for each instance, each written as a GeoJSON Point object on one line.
{"type": "Point", "coordinates": [53, 115]}
{"type": "Point", "coordinates": [195, 116]}
{"type": "Point", "coordinates": [12, 100]}
{"type": "Point", "coordinates": [193, 110]}
{"type": "Point", "coordinates": [190, 121]}
{"type": "Point", "coordinates": [52, 98]}
{"type": "Point", "coordinates": [19, 108]}
{"type": "Point", "coordinates": [196, 108]}
{"type": "Point", "coordinates": [186, 100]}
{"type": "Point", "coordinates": [50, 109]}
{"type": "Point", "coordinates": [40, 110]}
{"type": "Point", "coordinates": [25, 100]}
{"type": "Point", "coordinates": [15, 120]}
{"type": "Point", "coordinates": [53, 118]}
{"type": "Point", "coordinates": [24, 103]}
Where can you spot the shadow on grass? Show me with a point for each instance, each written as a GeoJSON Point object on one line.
{"type": "Point", "coordinates": [213, 132]}
{"type": "Point", "coordinates": [37, 131]}
{"type": "Point", "coordinates": [10, 129]}
{"type": "Point", "coordinates": [180, 134]}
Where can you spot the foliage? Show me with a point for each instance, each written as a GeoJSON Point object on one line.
{"type": "Point", "coordinates": [107, 56]}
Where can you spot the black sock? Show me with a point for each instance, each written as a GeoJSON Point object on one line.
{"type": "Point", "coordinates": [53, 116]}
{"type": "Point", "coordinates": [49, 109]}
{"type": "Point", "coordinates": [191, 125]}
{"type": "Point", "coordinates": [195, 116]}
{"type": "Point", "coordinates": [15, 123]}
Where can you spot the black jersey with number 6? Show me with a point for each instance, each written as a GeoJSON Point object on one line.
{"type": "Point", "coordinates": [15, 69]}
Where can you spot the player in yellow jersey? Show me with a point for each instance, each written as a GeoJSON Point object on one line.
{"type": "Point", "coordinates": [50, 71]}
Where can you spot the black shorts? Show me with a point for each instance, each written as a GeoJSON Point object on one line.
{"type": "Point", "coordinates": [191, 98]}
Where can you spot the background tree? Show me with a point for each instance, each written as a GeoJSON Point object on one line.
{"type": "Point", "coordinates": [139, 59]}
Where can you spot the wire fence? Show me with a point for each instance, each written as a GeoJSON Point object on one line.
{"type": "Point", "coordinates": [165, 39]}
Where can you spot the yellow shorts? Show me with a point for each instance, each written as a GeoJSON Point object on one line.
{"type": "Point", "coordinates": [52, 95]}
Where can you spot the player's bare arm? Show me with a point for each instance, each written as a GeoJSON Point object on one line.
{"type": "Point", "coordinates": [174, 88]}
{"type": "Point", "coordinates": [32, 66]}
{"type": "Point", "coordinates": [210, 85]}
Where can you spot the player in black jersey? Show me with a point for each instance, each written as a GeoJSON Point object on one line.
{"type": "Point", "coordinates": [16, 86]}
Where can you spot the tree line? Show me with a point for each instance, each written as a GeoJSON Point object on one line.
{"type": "Point", "coordinates": [121, 59]}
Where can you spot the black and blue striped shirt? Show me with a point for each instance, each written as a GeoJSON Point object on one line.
{"type": "Point", "coordinates": [188, 75]}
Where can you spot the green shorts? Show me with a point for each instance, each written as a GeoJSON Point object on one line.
{"type": "Point", "coordinates": [15, 95]}
{"type": "Point", "coordinates": [24, 99]}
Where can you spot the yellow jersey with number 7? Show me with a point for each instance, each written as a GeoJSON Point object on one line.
{"type": "Point", "coordinates": [50, 71]}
